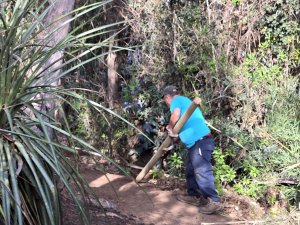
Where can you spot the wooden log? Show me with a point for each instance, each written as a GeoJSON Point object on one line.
{"type": "Point", "coordinates": [287, 181]}
{"type": "Point", "coordinates": [168, 141]}
{"type": "Point", "coordinates": [237, 223]}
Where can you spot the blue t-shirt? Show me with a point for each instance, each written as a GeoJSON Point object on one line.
{"type": "Point", "coordinates": [195, 128]}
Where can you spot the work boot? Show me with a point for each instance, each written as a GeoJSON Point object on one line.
{"type": "Point", "coordinates": [192, 200]}
{"type": "Point", "coordinates": [211, 207]}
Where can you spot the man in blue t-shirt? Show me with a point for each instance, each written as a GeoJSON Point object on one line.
{"type": "Point", "coordinates": [196, 136]}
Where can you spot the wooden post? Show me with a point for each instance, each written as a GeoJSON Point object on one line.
{"type": "Point", "coordinates": [168, 141]}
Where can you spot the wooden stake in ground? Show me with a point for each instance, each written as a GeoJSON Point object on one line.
{"type": "Point", "coordinates": [168, 141]}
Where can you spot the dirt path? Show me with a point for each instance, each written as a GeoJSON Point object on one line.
{"type": "Point", "coordinates": [147, 203]}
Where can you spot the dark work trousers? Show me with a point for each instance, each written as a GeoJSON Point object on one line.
{"type": "Point", "coordinates": [199, 173]}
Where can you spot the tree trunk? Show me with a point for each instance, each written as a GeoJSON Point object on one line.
{"type": "Point", "coordinates": [59, 8]}
{"type": "Point", "coordinates": [112, 76]}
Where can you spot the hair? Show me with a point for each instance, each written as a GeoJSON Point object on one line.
{"type": "Point", "coordinates": [170, 90]}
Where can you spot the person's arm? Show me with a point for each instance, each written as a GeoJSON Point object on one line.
{"type": "Point", "coordinates": [174, 118]}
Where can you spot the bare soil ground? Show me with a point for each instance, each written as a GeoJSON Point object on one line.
{"type": "Point", "coordinates": [124, 202]}
{"type": "Point", "coordinates": [146, 202]}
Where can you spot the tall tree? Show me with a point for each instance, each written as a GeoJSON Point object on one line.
{"type": "Point", "coordinates": [57, 27]}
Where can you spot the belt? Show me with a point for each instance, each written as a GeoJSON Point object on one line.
{"type": "Point", "coordinates": [206, 136]}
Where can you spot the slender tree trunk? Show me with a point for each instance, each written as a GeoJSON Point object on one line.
{"type": "Point", "coordinates": [112, 76]}
{"type": "Point", "coordinates": [112, 86]}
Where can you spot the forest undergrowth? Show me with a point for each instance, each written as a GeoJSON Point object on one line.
{"type": "Point", "coordinates": [91, 72]}
{"type": "Point", "coordinates": [242, 59]}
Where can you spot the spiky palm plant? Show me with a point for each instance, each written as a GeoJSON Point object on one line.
{"type": "Point", "coordinates": [31, 159]}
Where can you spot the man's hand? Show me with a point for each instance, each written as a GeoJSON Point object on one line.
{"type": "Point", "coordinates": [170, 132]}
{"type": "Point", "coordinates": [197, 101]}
{"type": "Point", "coordinates": [170, 148]}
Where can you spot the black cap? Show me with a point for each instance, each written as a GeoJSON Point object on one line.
{"type": "Point", "coordinates": [169, 90]}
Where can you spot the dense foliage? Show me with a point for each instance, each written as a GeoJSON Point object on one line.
{"type": "Point", "coordinates": [241, 57]}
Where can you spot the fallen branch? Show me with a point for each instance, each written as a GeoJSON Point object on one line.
{"type": "Point", "coordinates": [244, 222]}
{"type": "Point", "coordinates": [289, 220]}
{"type": "Point", "coordinates": [135, 166]}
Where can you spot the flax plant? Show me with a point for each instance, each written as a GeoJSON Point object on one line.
{"type": "Point", "coordinates": [32, 160]}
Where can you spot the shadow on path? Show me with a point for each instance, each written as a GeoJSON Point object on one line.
{"type": "Point", "coordinates": [149, 204]}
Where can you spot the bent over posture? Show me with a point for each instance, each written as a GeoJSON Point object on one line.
{"type": "Point", "coordinates": [196, 136]}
